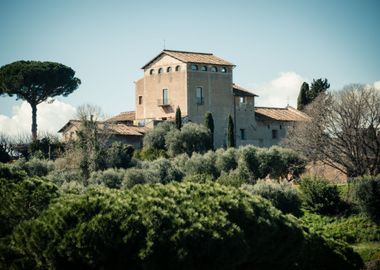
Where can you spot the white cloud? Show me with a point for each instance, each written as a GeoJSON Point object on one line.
{"type": "Point", "coordinates": [377, 85]}
{"type": "Point", "coordinates": [50, 118]}
{"type": "Point", "coordinates": [280, 91]}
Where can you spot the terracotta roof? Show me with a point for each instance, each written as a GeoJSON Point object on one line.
{"type": "Point", "coordinates": [192, 57]}
{"type": "Point", "coordinates": [68, 124]}
{"type": "Point", "coordinates": [123, 116]}
{"type": "Point", "coordinates": [280, 114]}
{"type": "Point", "coordinates": [242, 92]}
{"type": "Point", "coordinates": [121, 129]}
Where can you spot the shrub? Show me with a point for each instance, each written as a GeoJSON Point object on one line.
{"type": "Point", "coordinates": [163, 170]}
{"type": "Point", "coordinates": [155, 138]}
{"type": "Point", "coordinates": [198, 178]}
{"type": "Point", "coordinates": [72, 187]}
{"type": "Point", "coordinates": [111, 178]}
{"type": "Point", "coordinates": [282, 195]}
{"type": "Point", "coordinates": [351, 229]}
{"type": "Point", "coordinates": [233, 178]}
{"type": "Point", "coordinates": [248, 158]}
{"type": "Point", "coordinates": [319, 196]}
{"type": "Point", "coordinates": [367, 195]}
{"type": "Point", "coordinates": [226, 160]}
{"type": "Point", "coordinates": [58, 177]}
{"type": "Point", "coordinates": [120, 155]}
{"type": "Point", "coordinates": [37, 167]}
{"type": "Point", "coordinates": [176, 226]}
{"type": "Point", "coordinates": [135, 176]}
{"type": "Point", "coordinates": [200, 164]}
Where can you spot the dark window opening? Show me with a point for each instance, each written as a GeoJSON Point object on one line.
{"type": "Point", "coordinates": [242, 134]}
{"type": "Point", "coordinates": [274, 134]}
{"type": "Point", "coordinates": [204, 68]}
{"type": "Point", "coordinates": [214, 69]}
{"type": "Point", "coordinates": [140, 100]}
{"type": "Point", "coordinates": [223, 69]}
{"type": "Point", "coordinates": [169, 69]}
{"type": "Point", "coordinates": [151, 72]}
{"type": "Point", "coordinates": [159, 70]}
{"type": "Point", "coordinates": [199, 95]}
{"type": "Point", "coordinates": [165, 96]}
{"type": "Point", "coordinates": [194, 67]}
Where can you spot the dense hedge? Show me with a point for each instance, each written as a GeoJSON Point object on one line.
{"type": "Point", "coordinates": [176, 226]}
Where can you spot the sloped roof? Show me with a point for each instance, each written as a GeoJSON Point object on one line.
{"type": "Point", "coordinates": [123, 116]}
{"type": "Point", "coordinates": [69, 124]}
{"type": "Point", "coordinates": [121, 129]}
{"type": "Point", "coordinates": [280, 114]}
{"type": "Point", "coordinates": [192, 57]}
{"type": "Point", "coordinates": [242, 92]}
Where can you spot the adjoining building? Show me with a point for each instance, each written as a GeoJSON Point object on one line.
{"type": "Point", "coordinates": [202, 82]}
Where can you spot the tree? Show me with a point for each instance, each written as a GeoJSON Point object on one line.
{"type": "Point", "coordinates": [35, 82]}
{"type": "Point", "coordinates": [303, 97]}
{"type": "Point", "coordinates": [317, 87]}
{"type": "Point", "coordinates": [230, 132]}
{"type": "Point", "coordinates": [344, 131]}
{"type": "Point", "coordinates": [178, 118]}
{"type": "Point", "coordinates": [209, 123]}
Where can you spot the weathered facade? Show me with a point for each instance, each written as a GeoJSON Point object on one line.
{"type": "Point", "coordinates": [200, 83]}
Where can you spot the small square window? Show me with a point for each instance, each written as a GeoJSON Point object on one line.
{"type": "Point", "coordinates": [140, 100]}
{"type": "Point", "coordinates": [243, 100]}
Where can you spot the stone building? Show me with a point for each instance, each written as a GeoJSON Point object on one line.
{"type": "Point", "coordinates": [201, 82]}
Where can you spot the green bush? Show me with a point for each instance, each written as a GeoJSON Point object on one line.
{"type": "Point", "coordinates": [111, 178]}
{"type": "Point", "coordinates": [319, 196]}
{"type": "Point", "coordinates": [35, 166]}
{"type": "Point", "coordinates": [233, 178]}
{"type": "Point", "coordinates": [248, 159]}
{"type": "Point", "coordinates": [135, 176]}
{"type": "Point", "coordinates": [352, 229]}
{"type": "Point", "coordinates": [59, 177]}
{"type": "Point", "coordinates": [201, 164]}
{"type": "Point", "coordinates": [119, 155]}
{"type": "Point", "coordinates": [22, 197]}
{"type": "Point", "coordinates": [198, 178]}
{"type": "Point", "coordinates": [367, 195]}
{"type": "Point", "coordinates": [176, 226]}
{"type": "Point", "coordinates": [282, 195]}
{"type": "Point", "coordinates": [226, 160]}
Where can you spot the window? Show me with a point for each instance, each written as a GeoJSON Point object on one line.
{"type": "Point", "coordinates": [165, 96]}
{"type": "Point", "coordinates": [214, 69]}
{"type": "Point", "coordinates": [204, 68]}
{"type": "Point", "coordinates": [151, 72]}
{"type": "Point", "coordinates": [199, 95]}
{"type": "Point", "coordinates": [169, 69]}
{"type": "Point", "coordinates": [223, 70]}
{"type": "Point", "coordinates": [274, 134]}
{"type": "Point", "coordinates": [177, 68]}
{"type": "Point", "coordinates": [280, 127]}
{"type": "Point", "coordinates": [242, 134]}
{"type": "Point", "coordinates": [140, 100]}
{"type": "Point", "coordinates": [159, 70]}
{"type": "Point", "coordinates": [243, 100]}
{"type": "Point", "coordinates": [194, 67]}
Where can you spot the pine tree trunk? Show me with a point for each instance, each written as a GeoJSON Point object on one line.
{"type": "Point", "coordinates": [34, 121]}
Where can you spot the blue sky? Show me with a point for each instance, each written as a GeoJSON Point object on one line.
{"type": "Point", "coordinates": [271, 42]}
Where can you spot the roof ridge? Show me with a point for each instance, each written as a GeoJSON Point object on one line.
{"type": "Point", "coordinates": [275, 108]}
{"type": "Point", "coordinates": [187, 52]}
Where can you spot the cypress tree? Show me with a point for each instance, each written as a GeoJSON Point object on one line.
{"type": "Point", "coordinates": [230, 132]}
{"type": "Point", "coordinates": [317, 87]}
{"type": "Point", "coordinates": [178, 118]}
{"type": "Point", "coordinates": [209, 123]}
{"type": "Point", "coordinates": [303, 97]}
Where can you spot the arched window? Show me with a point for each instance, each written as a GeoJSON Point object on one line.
{"type": "Point", "coordinates": [223, 70]}
{"type": "Point", "coordinates": [214, 69]}
{"type": "Point", "coordinates": [159, 70]}
{"type": "Point", "coordinates": [194, 67]}
{"type": "Point", "coordinates": [177, 68]}
{"type": "Point", "coordinates": [151, 72]}
{"type": "Point", "coordinates": [169, 69]}
{"type": "Point", "coordinates": [204, 68]}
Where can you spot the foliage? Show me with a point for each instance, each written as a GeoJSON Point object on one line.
{"type": "Point", "coordinates": [119, 155]}
{"type": "Point", "coordinates": [178, 118]}
{"type": "Point", "coordinates": [35, 82]}
{"type": "Point", "coordinates": [50, 147]}
{"type": "Point", "coordinates": [60, 177]}
{"type": "Point", "coordinates": [201, 164]}
{"type": "Point", "coordinates": [367, 195]}
{"type": "Point", "coordinates": [230, 132]}
{"type": "Point", "coordinates": [370, 252]}
{"type": "Point", "coordinates": [319, 196]}
{"type": "Point", "coordinates": [209, 123]}
{"type": "Point", "coordinates": [302, 99]}
{"type": "Point", "coordinates": [234, 178]}
{"type": "Point", "coordinates": [21, 197]}
{"type": "Point", "coordinates": [282, 195]}
{"type": "Point", "coordinates": [351, 229]}
{"type": "Point", "coordinates": [226, 160]}
{"type": "Point", "coordinates": [155, 138]}
{"type": "Point", "coordinates": [317, 87]}
{"type": "Point", "coordinates": [149, 154]}
{"type": "Point", "coordinates": [177, 226]}
{"type": "Point", "coordinates": [35, 166]}
{"type": "Point", "coordinates": [198, 178]}
{"type": "Point", "coordinates": [111, 178]}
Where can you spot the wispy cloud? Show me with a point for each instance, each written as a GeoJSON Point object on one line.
{"type": "Point", "coordinates": [50, 118]}
{"type": "Point", "coordinates": [280, 91]}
